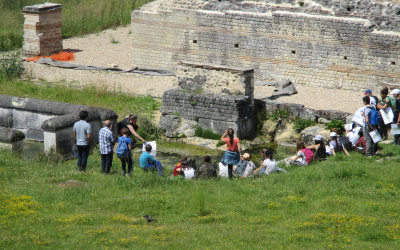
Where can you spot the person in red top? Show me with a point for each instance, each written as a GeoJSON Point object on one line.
{"type": "Point", "coordinates": [233, 150]}
{"type": "Point", "coordinates": [178, 169]}
{"type": "Point", "coordinates": [361, 142]}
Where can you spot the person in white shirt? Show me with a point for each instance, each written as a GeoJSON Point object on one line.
{"type": "Point", "coordinates": [336, 145]}
{"type": "Point", "coordinates": [300, 158]}
{"type": "Point", "coordinates": [353, 135]}
{"type": "Point", "coordinates": [269, 165]}
{"type": "Point", "coordinates": [250, 165]}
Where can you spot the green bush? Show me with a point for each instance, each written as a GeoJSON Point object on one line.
{"type": "Point", "coordinates": [206, 133]}
{"type": "Point", "coordinates": [336, 123]}
{"type": "Point", "coordinates": [220, 143]}
{"type": "Point", "coordinates": [148, 130]}
{"type": "Point", "coordinates": [261, 116]}
{"type": "Point", "coordinates": [300, 124]}
{"type": "Point", "coordinates": [11, 65]}
{"type": "Point", "coordinates": [280, 114]}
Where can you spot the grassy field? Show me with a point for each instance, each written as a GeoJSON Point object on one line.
{"type": "Point", "coordinates": [345, 202]}
{"type": "Point", "coordinates": [79, 17]}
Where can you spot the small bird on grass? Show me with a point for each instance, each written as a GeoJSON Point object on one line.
{"type": "Point", "coordinates": [148, 218]}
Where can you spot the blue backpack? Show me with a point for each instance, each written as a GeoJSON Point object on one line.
{"type": "Point", "coordinates": [374, 118]}
{"type": "Point", "coordinates": [122, 149]}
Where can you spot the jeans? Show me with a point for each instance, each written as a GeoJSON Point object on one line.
{"type": "Point", "coordinates": [153, 167]}
{"type": "Point", "coordinates": [130, 165]}
{"type": "Point", "coordinates": [106, 162]}
{"type": "Point", "coordinates": [83, 154]}
{"type": "Point", "coordinates": [371, 146]}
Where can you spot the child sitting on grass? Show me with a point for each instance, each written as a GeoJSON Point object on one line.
{"type": "Point", "coordinates": [125, 139]}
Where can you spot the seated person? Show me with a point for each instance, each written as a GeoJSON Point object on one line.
{"type": "Point", "coordinates": [188, 171]}
{"type": "Point", "coordinates": [352, 135]}
{"type": "Point", "coordinates": [223, 170]}
{"type": "Point", "coordinates": [319, 147]}
{"type": "Point", "coordinates": [300, 158]}
{"type": "Point", "coordinates": [178, 168]}
{"type": "Point", "coordinates": [336, 145]}
{"type": "Point", "coordinates": [361, 144]}
{"type": "Point", "coordinates": [206, 170]}
{"type": "Point", "coordinates": [147, 162]}
{"type": "Point", "coordinates": [269, 165]}
{"type": "Point", "coordinates": [250, 165]}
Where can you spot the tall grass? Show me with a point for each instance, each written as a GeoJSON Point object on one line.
{"type": "Point", "coordinates": [79, 17]}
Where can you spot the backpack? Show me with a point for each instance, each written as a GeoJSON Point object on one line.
{"type": "Point", "coordinates": [309, 155]}
{"type": "Point", "coordinates": [345, 142]}
{"type": "Point", "coordinates": [374, 118]}
{"type": "Point", "coordinates": [122, 149]}
{"type": "Point", "coordinates": [376, 100]}
{"type": "Point", "coordinates": [241, 166]}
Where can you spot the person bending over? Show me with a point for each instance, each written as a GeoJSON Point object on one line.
{"type": "Point", "coordinates": [233, 150]}
{"type": "Point", "coordinates": [148, 163]}
{"type": "Point", "coordinates": [130, 123]}
{"type": "Point", "coordinates": [206, 170]}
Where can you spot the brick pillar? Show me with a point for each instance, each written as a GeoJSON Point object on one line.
{"type": "Point", "coordinates": [42, 29]}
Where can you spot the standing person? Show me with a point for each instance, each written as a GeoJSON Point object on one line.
{"type": "Point", "coordinates": [373, 99]}
{"type": "Point", "coordinates": [396, 110]}
{"type": "Point", "coordinates": [371, 146]}
{"type": "Point", "coordinates": [206, 170]}
{"type": "Point", "coordinates": [336, 145]}
{"type": "Point", "coordinates": [82, 139]}
{"type": "Point", "coordinates": [233, 150]}
{"type": "Point", "coordinates": [130, 122]}
{"type": "Point", "coordinates": [319, 147]}
{"type": "Point", "coordinates": [384, 103]}
{"type": "Point", "coordinates": [300, 158]}
{"type": "Point", "coordinates": [147, 162]}
{"type": "Point", "coordinates": [106, 143]}
{"type": "Point", "coordinates": [128, 157]}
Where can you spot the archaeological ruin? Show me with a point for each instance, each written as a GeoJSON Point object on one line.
{"type": "Point", "coordinates": [347, 44]}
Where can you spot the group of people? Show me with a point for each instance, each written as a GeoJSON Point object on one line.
{"type": "Point", "coordinates": [126, 128]}
{"type": "Point", "coordinates": [358, 137]}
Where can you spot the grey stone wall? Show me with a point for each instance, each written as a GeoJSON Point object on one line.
{"type": "Point", "coordinates": [352, 50]}
{"type": "Point", "coordinates": [212, 111]}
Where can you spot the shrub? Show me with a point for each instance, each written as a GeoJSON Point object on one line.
{"type": "Point", "coordinates": [280, 114]}
{"type": "Point", "coordinates": [261, 115]}
{"type": "Point", "coordinates": [336, 123]}
{"type": "Point", "coordinates": [206, 133]}
{"type": "Point", "coordinates": [300, 124]}
{"type": "Point", "coordinates": [11, 65]}
{"type": "Point", "coordinates": [220, 143]}
{"type": "Point", "coordinates": [148, 129]}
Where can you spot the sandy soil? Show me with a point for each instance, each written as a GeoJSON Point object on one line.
{"type": "Point", "coordinates": [98, 50]}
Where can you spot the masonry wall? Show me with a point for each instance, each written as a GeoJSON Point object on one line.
{"type": "Point", "coordinates": [212, 111]}
{"type": "Point", "coordinates": [308, 49]}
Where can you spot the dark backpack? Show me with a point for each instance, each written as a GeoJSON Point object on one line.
{"type": "Point", "coordinates": [122, 149]}
{"type": "Point", "coordinates": [241, 166]}
{"type": "Point", "coordinates": [373, 117]}
{"type": "Point", "coordinates": [345, 142]}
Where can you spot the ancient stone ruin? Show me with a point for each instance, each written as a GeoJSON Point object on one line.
{"type": "Point", "coordinates": [48, 122]}
{"type": "Point", "coordinates": [42, 29]}
{"type": "Point", "coordinates": [216, 97]}
{"type": "Point", "coordinates": [328, 43]}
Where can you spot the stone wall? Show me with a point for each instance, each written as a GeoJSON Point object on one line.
{"type": "Point", "coordinates": [42, 29]}
{"type": "Point", "coordinates": [322, 44]}
{"type": "Point", "coordinates": [211, 111]}
{"type": "Point", "coordinates": [51, 122]}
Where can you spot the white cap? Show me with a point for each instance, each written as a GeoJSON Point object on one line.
{"type": "Point", "coordinates": [395, 91]}
{"type": "Point", "coordinates": [317, 138]}
{"type": "Point", "coordinates": [332, 134]}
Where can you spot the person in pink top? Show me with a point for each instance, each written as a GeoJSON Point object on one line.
{"type": "Point", "coordinates": [233, 150]}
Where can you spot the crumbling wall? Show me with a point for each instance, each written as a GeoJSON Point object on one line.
{"type": "Point", "coordinates": [321, 46]}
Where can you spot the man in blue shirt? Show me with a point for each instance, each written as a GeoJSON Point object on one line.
{"type": "Point", "coordinates": [147, 162]}
{"type": "Point", "coordinates": [106, 143]}
{"type": "Point", "coordinates": [82, 139]}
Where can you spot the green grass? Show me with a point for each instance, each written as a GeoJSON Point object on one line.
{"type": "Point", "coordinates": [345, 202]}
{"type": "Point", "coordinates": [206, 133]}
{"type": "Point", "coordinates": [79, 17]}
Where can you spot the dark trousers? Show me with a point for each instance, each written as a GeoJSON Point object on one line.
{"type": "Point", "coordinates": [130, 165]}
{"type": "Point", "coordinates": [106, 162]}
{"type": "Point", "coordinates": [83, 154]}
{"type": "Point", "coordinates": [383, 129]}
{"type": "Point", "coordinates": [371, 147]}
{"type": "Point", "coordinates": [230, 171]}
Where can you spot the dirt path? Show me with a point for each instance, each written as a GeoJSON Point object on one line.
{"type": "Point", "coordinates": [113, 46]}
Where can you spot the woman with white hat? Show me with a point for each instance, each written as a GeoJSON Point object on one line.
{"type": "Point", "coordinates": [319, 147]}
{"type": "Point", "coordinates": [336, 145]}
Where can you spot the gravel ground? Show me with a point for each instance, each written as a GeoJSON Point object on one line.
{"type": "Point", "coordinates": [98, 50]}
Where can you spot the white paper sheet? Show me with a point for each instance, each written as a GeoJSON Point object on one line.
{"type": "Point", "coordinates": [387, 115]}
{"type": "Point", "coordinates": [348, 126]}
{"type": "Point", "coordinates": [395, 129]}
{"type": "Point", "coordinates": [153, 145]}
{"type": "Point", "coordinates": [359, 117]}
{"type": "Point", "coordinates": [375, 136]}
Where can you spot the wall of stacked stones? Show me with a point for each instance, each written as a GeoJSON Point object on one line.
{"type": "Point", "coordinates": [212, 111]}
{"type": "Point", "coordinates": [308, 49]}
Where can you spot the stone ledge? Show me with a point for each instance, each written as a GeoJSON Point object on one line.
{"type": "Point", "coordinates": [216, 67]}
{"type": "Point", "coordinates": [10, 135]}
{"type": "Point", "coordinates": [37, 8]}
